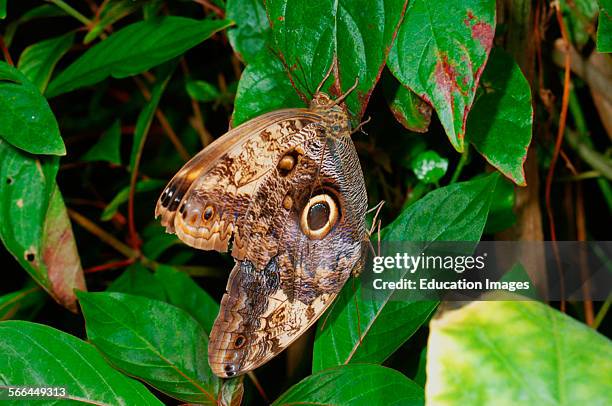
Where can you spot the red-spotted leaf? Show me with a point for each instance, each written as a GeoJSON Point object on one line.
{"type": "Point", "coordinates": [500, 122]}
{"type": "Point", "coordinates": [440, 53]}
{"type": "Point", "coordinates": [35, 226]}
{"type": "Point", "coordinates": [409, 109]}
{"type": "Point", "coordinates": [357, 34]}
{"type": "Point", "coordinates": [60, 254]}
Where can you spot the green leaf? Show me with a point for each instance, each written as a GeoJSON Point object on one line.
{"type": "Point", "coordinates": [357, 34]}
{"type": "Point", "coordinates": [113, 11]}
{"type": "Point", "coordinates": [516, 352]}
{"type": "Point", "coordinates": [457, 212]}
{"type": "Point", "coordinates": [501, 214]}
{"type": "Point", "coordinates": [16, 304]}
{"type": "Point", "coordinates": [518, 273]}
{"type": "Point", "coordinates": [135, 49]}
{"type": "Point", "coordinates": [202, 91]}
{"type": "Point", "coordinates": [157, 241]}
{"type": "Point", "coordinates": [108, 147]}
{"type": "Point", "coordinates": [35, 228]}
{"type": "Point", "coordinates": [360, 328]}
{"type": "Point", "coordinates": [2, 9]}
{"type": "Point", "coordinates": [232, 392]}
{"type": "Point", "coordinates": [138, 280]}
{"type": "Point", "coordinates": [37, 355]}
{"type": "Point", "coordinates": [264, 86]}
{"type": "Point", "coordinates": [38, 61]}
{"type": "Point", "coordinates": [148, 112]}
{"type": "Point", "coordinates": [421, 374]}
{"type": "Point", "coordinates": [499, 125]}
{"type": "Point", "coordinates": [145, 185]}
{"type": "Point", "coordinates": [578, 17]}
{"type": "Point", "coordinates": [153, 341]}
{"type": "Point", "coordinates": [252, 31]}
{"type": "Point", "coordinates": [354, 385]}
{"type": "Point", "coordinates": [440, 52]}
{"type": "Point", "coordinates": [604, 27]}
{"type": "Point", "coordinates": [42, 11]}
{"type": "Point", "coordinates": [185, 294]}
{"type": "Point", "coordinates": [409, 109]}
{"type": "Point", "coordinates": [26, 120]}
{"type": "Point", "coordinates": [429, 167]}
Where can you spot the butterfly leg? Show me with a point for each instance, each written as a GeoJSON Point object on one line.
{"type": "Point", "coordinates": [358, 128]}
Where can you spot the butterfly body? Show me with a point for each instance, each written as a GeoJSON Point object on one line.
{"type": "Point", "coordinates": [285, 192]}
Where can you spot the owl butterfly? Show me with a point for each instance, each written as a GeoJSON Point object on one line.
{"type": "Point", "coordinates": [285, 194]}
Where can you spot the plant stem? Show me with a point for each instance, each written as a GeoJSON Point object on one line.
{"type": "Point", "coordinates": [465, 157]}
{"type": "Point", "coordinates": [579, 119]}
{"type": "Point", "coordinates": [71, 11]}
{"type": "Point", "coordinates": [102, 234]}
{"type": "Point", "coordinates": [601, 314]}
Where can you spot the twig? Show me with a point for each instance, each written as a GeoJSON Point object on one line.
{"type": "Point", "coordinates": [596, 160]}
{"type": "Point", "coordinates": [211, 7]}
{"type": "Point", "coordinates": [601, 314]}
{"type": "Point", "coordinates": [71, 11]}
{"type": "Point", "coordinates": [5, 52]}
{"type": "Point", "coordinates": [560, 132]}
{"type": "Point", "coordinates": [103, 235]}
{"type": "Point", "coordinates": [110, 265]}
{"type": "Point", "coordinates": [584, 273]}
{"type": "Point", "coordinates": [260, 389]}
{"type": "Point", "coordinates": [562, 122]}
{"type": "Point", "coordinates": [165, 124]}
{"type": "Point", "coordinates": [198, 121]}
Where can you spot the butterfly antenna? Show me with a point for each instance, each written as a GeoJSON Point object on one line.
{"type": "Point", "coordinates": [344, 96]}
{"type": "Point", "coordinates": [329, 71]}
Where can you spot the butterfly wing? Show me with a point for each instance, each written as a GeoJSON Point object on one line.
{"type": "Point", "coordinates": [206, 201]}
{"type": "Point", "coordinates": [282, 286]}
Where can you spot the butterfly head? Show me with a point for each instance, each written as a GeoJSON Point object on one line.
{"type": "Point", "coordinates": [333, 113]}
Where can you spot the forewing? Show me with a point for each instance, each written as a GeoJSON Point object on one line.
{"type": "Point", "coordinates": [208, 198]}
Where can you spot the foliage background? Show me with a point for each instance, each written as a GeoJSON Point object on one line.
{"type": "Point", "coordinates": [109, 98]}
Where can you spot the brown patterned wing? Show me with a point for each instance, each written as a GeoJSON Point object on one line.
{"type": "Point", "coordinates": [304, 238]}
{"type": "Point", "coordinates": [206, 201]}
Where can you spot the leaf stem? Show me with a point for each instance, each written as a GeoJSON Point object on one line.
{"type": "Point", "coordinates": [5, 52]}
{"type": "Point", "coordinates": [110, 265]}
{"type": "Point", "coordinates": [601, 314]}
{"type": "Point", "coordinates": [71, 11]}
{"type": "Point", "coordinates": [103, 235]}
{"type": "Point", "coordinates": [465, 157]}
{"type": "Point", "coordinates": [198, 122]}
{"type": "Point", "coordinates": [260, 389]}
{"type": "Point", "coordinates": [163, 121]}
{"type": "Point", "coordinates": [591, 157]}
